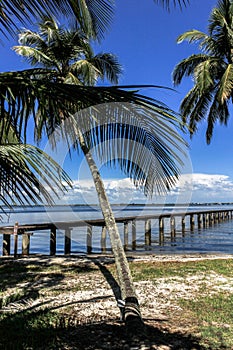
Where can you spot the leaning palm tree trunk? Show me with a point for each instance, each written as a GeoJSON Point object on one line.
{"type": "Point", "coordinates": [131, 311]}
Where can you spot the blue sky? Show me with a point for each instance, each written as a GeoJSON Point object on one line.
{"type": "Point", "coordinates": [143, 36]}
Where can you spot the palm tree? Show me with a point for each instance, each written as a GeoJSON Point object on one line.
{"type": "Point", "coordinates": [93, 18]}
{"type": "Point", "coordinates": [60, 52]}
{"type": "Point", "coordinates": [211, 71]}
{"type": "Point", "coordinates": [67, 54]}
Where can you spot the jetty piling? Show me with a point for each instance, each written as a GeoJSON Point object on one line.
{"type": "Point", "coordinates": [197, 219]}
{"type": "Point", "coordinates": [134, 235]}
{"type": "Point", "coordinates": [126, 235]}
{"type": "Point", "coordinates": [148, 232]}
{"type": "Point", "coordinates": [89, 239]}
{"type": "Point", "coordinates": [26, 243]}
{"type": "Point", "coordinates": [53, 240]}
{"type": "Point", "coordinates": [67, 241]}
{"type": "Point", "coordinates": [103, 239]}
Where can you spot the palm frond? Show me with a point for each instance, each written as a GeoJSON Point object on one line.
{"type": "Point", "coordinates": [108, 65]}
{"type": "Point", "coordinates": [86, 71]}
{"type": "Point", "coordinates": [192, 36]}
{"type": "Point", "coordinates": [29, 176]}
{"type": "Point", "coordinates": [167, 3]}
{"type": "Point", "coordinates": [22, 94]}
{"type": "Point", "coordinates": [220, 29]}
{"type": "Point", "coordinates": [187, 67]}
{"type": "Point", "coordinates": [199, 112]}
{"type": "Point", "coordinates": [203, 76]}
{"type": "Point", "coordinates": [33, 55]}
{"type": "Point", "coordinates": [218, 111]}
{"type": "Point", "coordinates": [94, 17]}
{"type": "Point", "coordinates": [226, 85]}
{"type": "Point", "coordinates": [188, 104]}
{"type": "Point", "coordinates": [142, 140]}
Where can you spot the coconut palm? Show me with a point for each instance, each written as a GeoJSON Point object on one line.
{"type": "Point", "coordinates": [211, 71]}
{"type": "Point", "coordinates": [93, 17]}
{"type": "Point", "coordinates": [67, 53]}
{"type": "Point", "coordinates": [76, 64]}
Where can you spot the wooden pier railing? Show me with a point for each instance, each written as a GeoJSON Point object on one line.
{"type": "Point", "coordinates": [186, 220]}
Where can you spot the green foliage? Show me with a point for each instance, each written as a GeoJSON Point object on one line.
{"type": "Point", "coordinates": [29, 330]}
{"type": "Point", "coordinates": [68, 53]}
{"type": "Point", "coordinates": [151, 271]}
{"type": "Point", "coordinates": [149, 149]}
{"type": "Point", "coordinates": [214, 315]}
{"type": "Point", "coordinates": [93, 17]}
{"type": "Point", "coordinates": [211, 71]}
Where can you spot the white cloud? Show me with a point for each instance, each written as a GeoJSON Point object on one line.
{"type": "Point", "coordinates": [207, 187]}
{"type": "Point", "coordinates": [190, 188]}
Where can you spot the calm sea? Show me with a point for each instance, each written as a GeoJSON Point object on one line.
{"type": "Point", "coordinates": [215, 239]}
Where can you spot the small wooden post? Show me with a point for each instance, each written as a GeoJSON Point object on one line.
{"type": "Point", "coordinates": [207, 219]}
{"type": "Point", "coordinates": [53, 239]}
{"type": "Point", "coordinates": [6, 244]}
{"type": "Point", "coordinates": [16, 239]}
{"type": "Point", "coordinates": [183, 224]}
{"type": "Point", "coordinates": [215, 217]}
{"type": "Point", "coordinates": [192, 222]}
{"type": "Point", "coordinates": [103, 239]}
{"type": "Point", "coordinates": [67, 240]}
{"type": "Point", "coordinates": [89, 239]}
{"type": "Point", "coordinates": [134, 235]}
{"type": "Point", "coordinates": [25, 243]}
{"type": "Point", "coordinates": [148, 232]}
{"type": "Point", "coordinates": [199, 221]}
{"type": "Point", "coordinates": [173, 227]}
{"type": "Point", "coordinates": [161, 230]}
{"type": "Point", "coordinates": [126, 235]}
{"type": "Point", "coordinates": [211, 219]}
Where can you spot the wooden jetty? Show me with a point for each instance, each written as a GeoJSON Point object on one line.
{"type": "Point", "coordinates": [187, 221]}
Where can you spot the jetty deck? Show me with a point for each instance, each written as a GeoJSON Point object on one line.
{"type": "Point", "coordinates": [187, 221]}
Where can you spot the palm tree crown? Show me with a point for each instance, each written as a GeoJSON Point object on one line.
{"type": "Point", "coordinates": [68, 53]}
{"type": "Point", "coordinates": [211, 70]}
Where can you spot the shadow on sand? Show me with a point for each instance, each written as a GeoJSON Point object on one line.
{"type": "Point", "coordinates": [47, 328]}
{"type": "Point", "coordinates": [65, 334]}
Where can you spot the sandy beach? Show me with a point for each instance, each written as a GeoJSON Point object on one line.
{"type": "Point", "coordinates": [89, 299]}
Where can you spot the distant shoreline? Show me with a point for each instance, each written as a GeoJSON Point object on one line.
{"type": "Point", "coordinates": [127, 205]}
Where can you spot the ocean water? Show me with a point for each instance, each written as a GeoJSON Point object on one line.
{"type": "Point", "coordinates": [217, 238]}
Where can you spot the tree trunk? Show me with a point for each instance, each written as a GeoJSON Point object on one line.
{"type": "Point", "coordinates": [130, 310]}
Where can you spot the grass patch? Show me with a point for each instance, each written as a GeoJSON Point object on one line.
{"type": "Point", "coordinates": [152, 270]}
{"type": "Point", "coordinates": [36, 330]}
{"type": "Point", "coordinates": [214, 315]}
